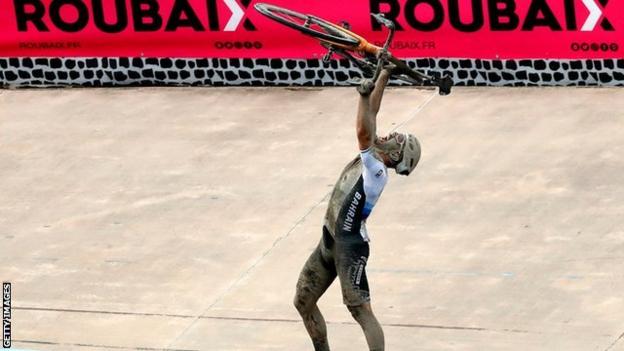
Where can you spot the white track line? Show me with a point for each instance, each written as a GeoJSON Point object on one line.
{"type": "Point", "coordinates": [279, 239]}
{"type": "Point", "coordinates": [248, 270]}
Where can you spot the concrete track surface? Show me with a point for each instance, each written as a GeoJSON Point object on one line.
{"type": "Point", "coordinates": [178, 218]}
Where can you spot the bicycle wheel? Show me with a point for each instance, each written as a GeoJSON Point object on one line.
{"type": "Point", "coordinates": [309, 25]}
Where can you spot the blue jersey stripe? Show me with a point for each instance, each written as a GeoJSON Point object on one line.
{"type": "Point", "coordinates": [368, 208]}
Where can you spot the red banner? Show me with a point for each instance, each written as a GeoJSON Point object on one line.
{"type": "Point", "coordinates": [488, 29]}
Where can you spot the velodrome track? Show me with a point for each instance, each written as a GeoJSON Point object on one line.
{"type": "Point", "coordinates": [179, 218]}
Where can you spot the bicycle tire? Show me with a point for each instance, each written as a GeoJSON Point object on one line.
{"type": "Point", "coordinates": [327, 31]}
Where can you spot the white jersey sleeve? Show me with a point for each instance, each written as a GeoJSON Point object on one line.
{"type": "Point", "coordinates": [375, 176]}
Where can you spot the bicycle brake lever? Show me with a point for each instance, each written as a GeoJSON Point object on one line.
{"type": "Point", "coordinates": [382, 55]}
{"type": "Point", "coordinates": [382, 20]}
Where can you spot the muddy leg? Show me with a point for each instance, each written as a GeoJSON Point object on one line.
{"type": "Point", "coordinates": [314, 279]}
{"type": "Point", "coordinates": [363, 314]}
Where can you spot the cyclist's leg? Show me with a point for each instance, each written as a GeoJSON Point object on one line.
{"type": "Point", "coordinates": [363, 314]}
{"type": "Point", "coordinates": [351, 257]}
{"type": "Point", "coordinates": [316, 276]}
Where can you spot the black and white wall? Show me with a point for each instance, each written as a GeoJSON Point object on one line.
{"type": "Point", "coordinates": [120, 71]}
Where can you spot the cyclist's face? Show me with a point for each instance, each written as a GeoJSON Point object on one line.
{"type": "Point", "coordinates": [393, 137]}
{"type": "Point", "coordinates": [392, 144]}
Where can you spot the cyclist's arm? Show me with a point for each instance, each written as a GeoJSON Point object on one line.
{"type": "Point", "coordinates": [368, 107]}
{"type": "Point", "coordinates": [377, 94]}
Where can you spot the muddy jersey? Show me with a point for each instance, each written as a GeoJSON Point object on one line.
{"type": "Point", "coordinates": [355, 194]}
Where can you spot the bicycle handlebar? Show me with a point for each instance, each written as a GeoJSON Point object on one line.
{"type": "Point", "coordinates": [444, 83]}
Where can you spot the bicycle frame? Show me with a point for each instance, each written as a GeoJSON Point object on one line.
{"type": "Point", "coordinates": [368, 48]}
{"type": "Point", "coordinates": [339, 39]}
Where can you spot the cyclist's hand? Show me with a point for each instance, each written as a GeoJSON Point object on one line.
{"type": "Point", "coordinates": [383, 56]}
{"type": "Point", "coordinates": [366, 87]}
{"type": "Point", "coordinates": [390, 68]}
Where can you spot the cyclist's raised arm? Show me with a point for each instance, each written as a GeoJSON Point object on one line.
{"type": "Point", "coordinates": [368, 107]}
{"type": "Point", "coordinates": [377, 94]}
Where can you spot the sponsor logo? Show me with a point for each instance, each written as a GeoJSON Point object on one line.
{"type": "Point", "coordinates": [358, 276]}
{"type": "Point", "coordinates": [6, 315]}
{"type": "Point", "coordinates": [44, 45]}
{"type": "Point", "coordinates": [502, 15]}
{"type": "Point", "coordinates": [348, 222]}
{"type": "Point", "coordinates": [605, 47]}
{"type": "Point", "coordinates": [229, 45]}
{"type": "Point", "coordinates": [379, 174]}
{"type": "Point", "coordinates": [140, 15]}
{"type": "Point", "coordinates": [409, 44]}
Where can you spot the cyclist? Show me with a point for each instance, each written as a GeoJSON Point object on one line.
{"type": "Point", "coordinates": [344, 249]}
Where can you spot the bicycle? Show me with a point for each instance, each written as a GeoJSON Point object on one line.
{"type": "Point", "coordinates": [338, 39]}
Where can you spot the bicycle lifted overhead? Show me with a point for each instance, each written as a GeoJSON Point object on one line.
{"type": "Point", "coordinates": [340, 40]}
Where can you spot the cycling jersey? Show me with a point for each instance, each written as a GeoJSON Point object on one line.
{"type": "Point", "coordinates": [355, 194]}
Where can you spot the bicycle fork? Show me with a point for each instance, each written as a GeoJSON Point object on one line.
{"type": "Point", "coordinates": [382, 55]}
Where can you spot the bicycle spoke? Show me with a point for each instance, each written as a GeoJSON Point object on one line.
{"type": "Point", "coordinates": [307, 22]}
{"type": "Point", "coordinates": [310, 23]}
{"type": "Point", "coordinates": [291, 18]}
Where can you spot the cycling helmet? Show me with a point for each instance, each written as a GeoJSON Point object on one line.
{"type": "Point", "coordinates": [411, 155]}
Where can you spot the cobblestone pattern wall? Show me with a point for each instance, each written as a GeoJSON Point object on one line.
{"type": "Point", "coordinates": [120, 71]}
